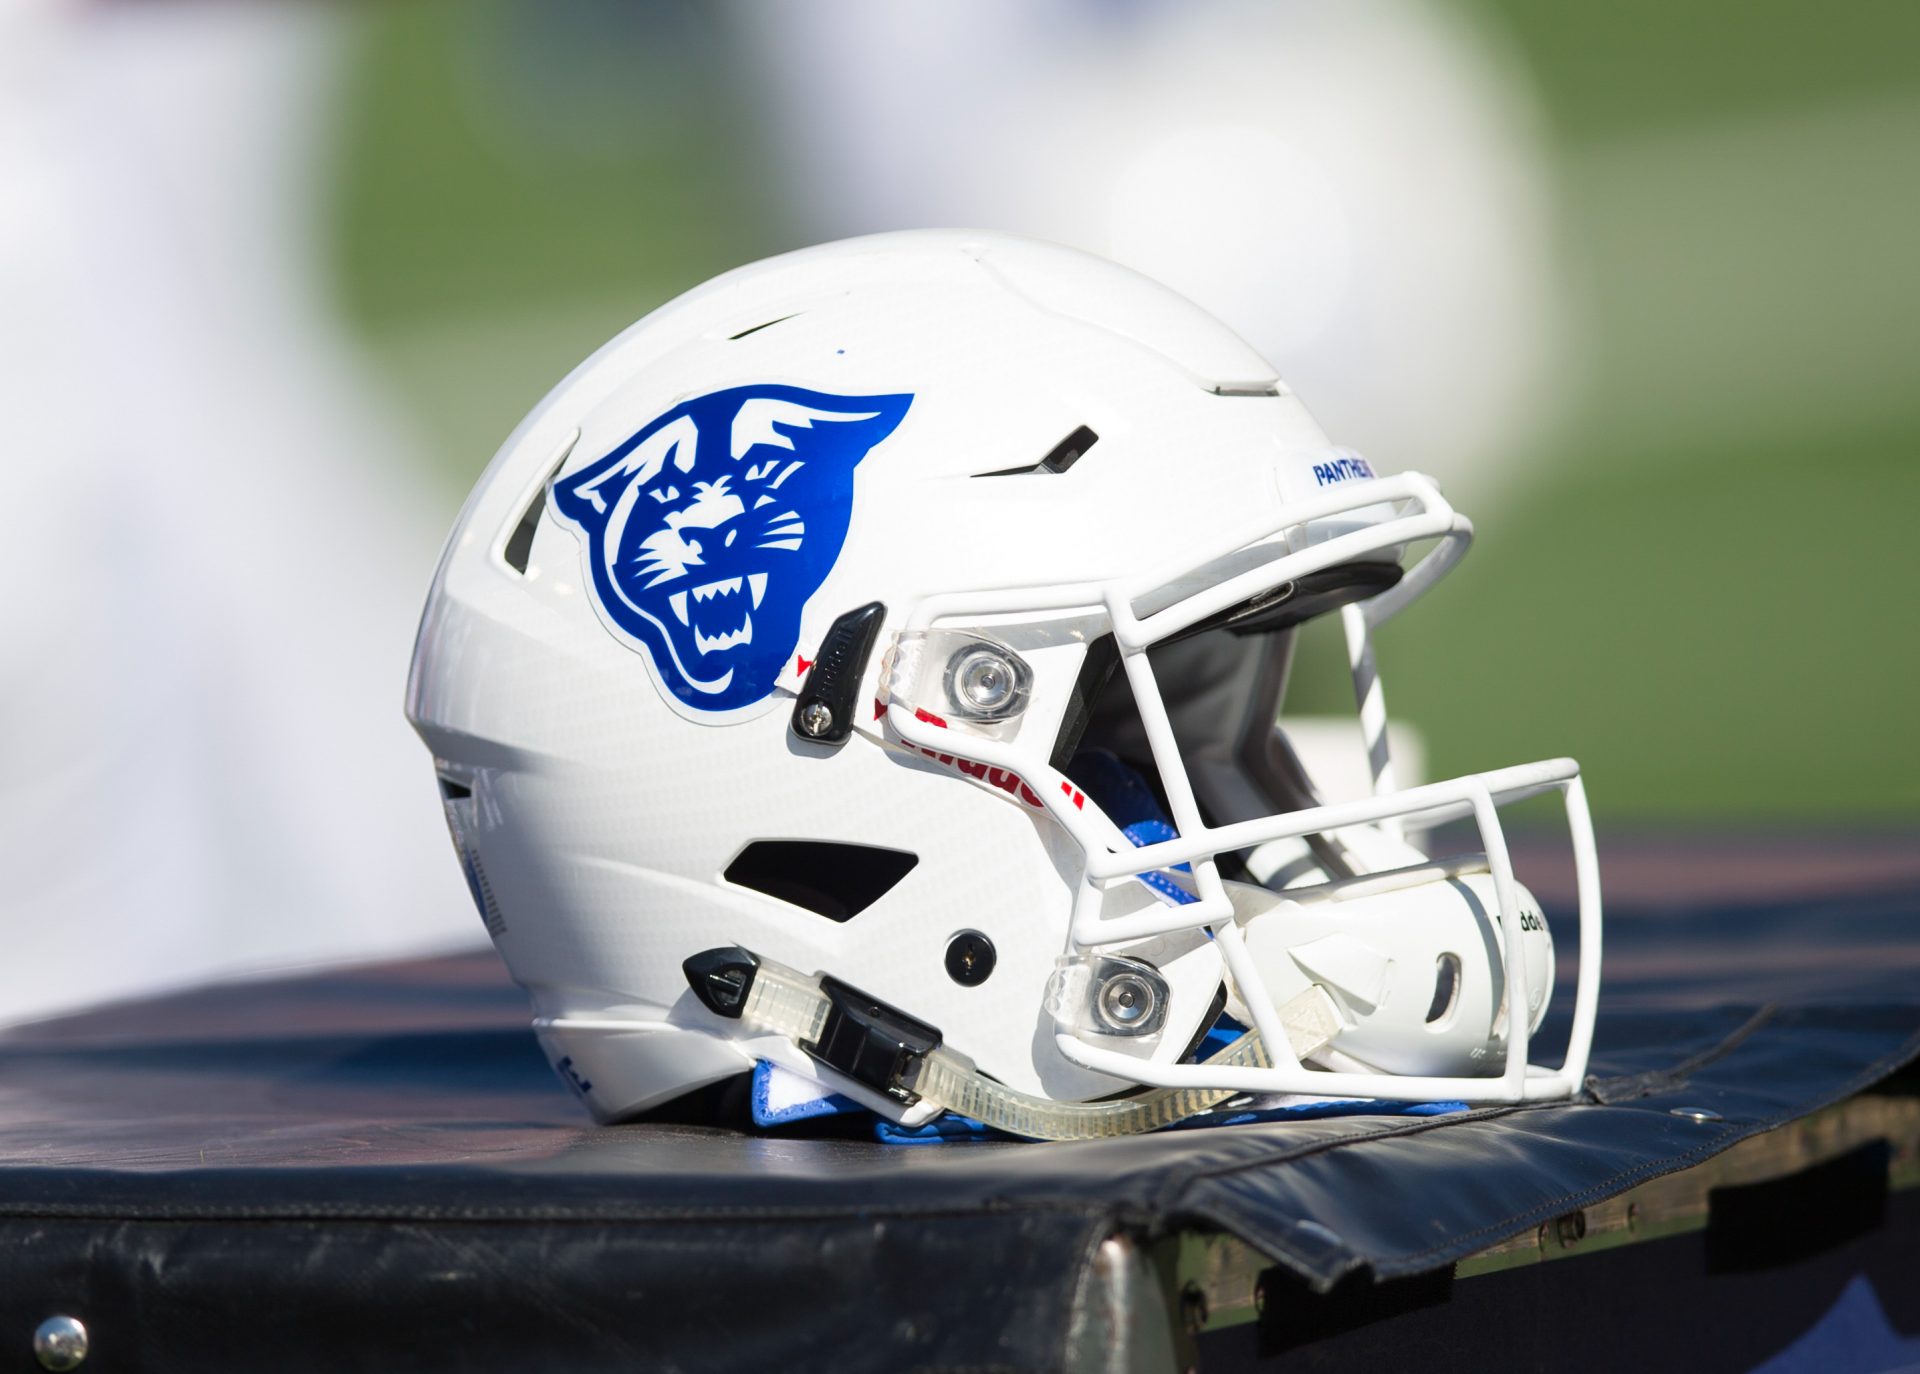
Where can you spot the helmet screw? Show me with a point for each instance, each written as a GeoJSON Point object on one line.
{"type": "Point", "coordinates": [969, 958]}
{"type": "Point", "coordinates": [816, 718]}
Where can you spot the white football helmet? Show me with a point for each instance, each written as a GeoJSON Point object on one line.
{"type": "Point", "coordinates": [869, 663]}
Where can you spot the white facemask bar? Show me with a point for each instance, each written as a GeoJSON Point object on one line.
{"type": "Point", "coordinates": [1421, 513]}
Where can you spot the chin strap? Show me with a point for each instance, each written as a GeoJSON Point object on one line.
{"type": "Point", "coordinates": [901, 1058]}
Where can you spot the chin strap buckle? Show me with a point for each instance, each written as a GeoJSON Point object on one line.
{"type": "Point", "coordinates": [877, 1046]}
{"type": "Point", "coordinates": [854, 1034]}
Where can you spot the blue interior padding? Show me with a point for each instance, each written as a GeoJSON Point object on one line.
{"type": "Point", "coordinates": [1144, 833]}
{"type": "Point", "coordinates": [1116, 787]}
{"type": "Point", "coordinates": [1225, 1031]}
{"type": "Point", "coordinates": [945, 1129]}
{"type": "Point", "coordinates": [766, 1114]}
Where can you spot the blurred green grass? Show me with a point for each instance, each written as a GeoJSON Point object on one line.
{"type": "Point", "coordinates": [516, 183]}
{"type": "Point", "coordinates": [1703, 584]}
{"type": "Point", "coordinates": [1725, 632]}
{"type": "Point", "coordinates": [1646, 66]}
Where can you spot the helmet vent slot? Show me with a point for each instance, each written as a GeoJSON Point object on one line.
{"type": "Point", "coordinates": [519, 546]}
{"type": "Point", "coordinates": [765, 324]}
{"type": "Point", "coordinates": [1446, 991]}
{"type": "Point", "coordinates": [520, 542]}
{"type": "Point", "coordinates": [830, 879]}
{"type": "Point", "coordinates": [1065, 454]}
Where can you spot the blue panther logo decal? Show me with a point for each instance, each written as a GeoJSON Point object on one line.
{"type": "Point", "coordinates": [708, 530]}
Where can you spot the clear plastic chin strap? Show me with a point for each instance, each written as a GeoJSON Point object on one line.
{"type": "Point", "coordinates": [793, 1004]}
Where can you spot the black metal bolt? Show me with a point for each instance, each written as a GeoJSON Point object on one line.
{"type": "Point", "coordinates": [1571, 1228]}
{"type": "Point", "coordinates": [970, 958]}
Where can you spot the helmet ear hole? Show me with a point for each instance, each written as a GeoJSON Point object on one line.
{"type": "Point", "coordinates": [1446, 991]}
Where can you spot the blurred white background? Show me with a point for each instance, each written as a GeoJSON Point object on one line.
{"type": "Point", "coordinates": [221, 534]}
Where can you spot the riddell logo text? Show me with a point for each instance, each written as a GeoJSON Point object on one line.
{"type": "Point", "coordinates": [1007, 781]}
